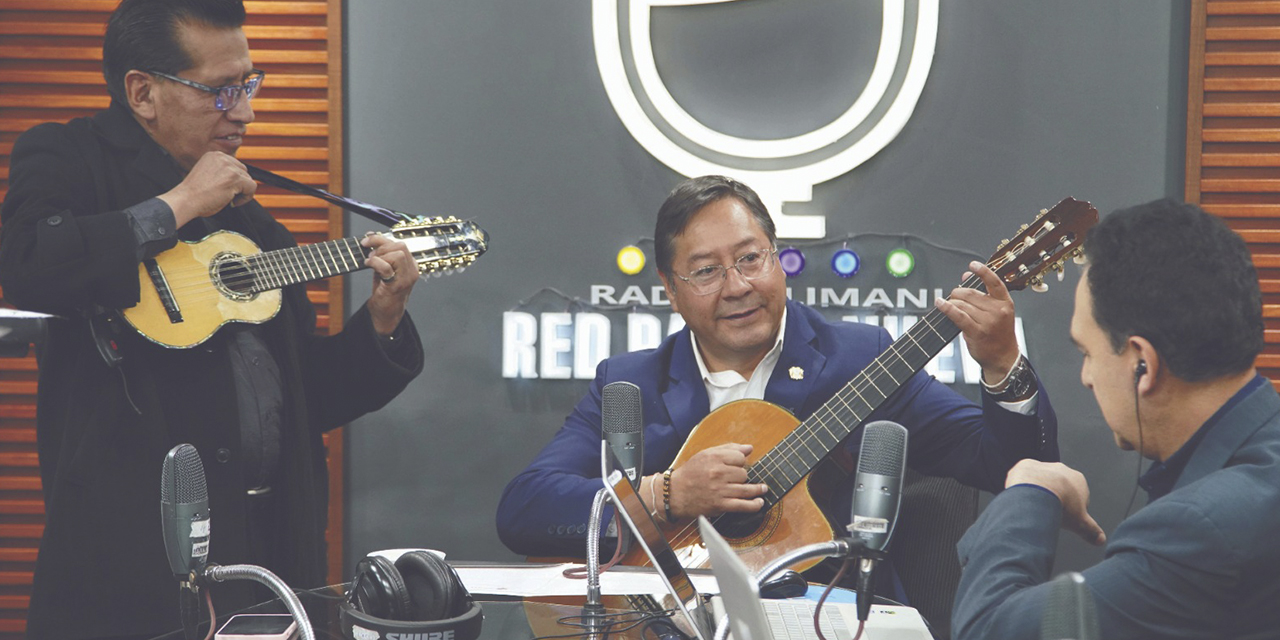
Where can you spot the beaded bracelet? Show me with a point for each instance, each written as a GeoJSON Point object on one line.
{"type": "Point", "coordinates": [666, 494]}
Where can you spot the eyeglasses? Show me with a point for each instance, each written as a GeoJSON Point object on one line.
{"type": "Point", "coordinates": [226, 97]}
{"type": "Point", "coordinates": [710, 279]}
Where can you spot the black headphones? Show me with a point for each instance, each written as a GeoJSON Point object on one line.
{"type": "Point", "coordinates": [417, 594]}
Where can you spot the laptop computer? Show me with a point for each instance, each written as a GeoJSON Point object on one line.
{"type": "Point", "coordinates": [751, 618]}
{"type": "Point", "coordinates": [631, 508]}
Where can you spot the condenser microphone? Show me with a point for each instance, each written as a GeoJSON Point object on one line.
{"type": "Point", "coordinates": [622, 422]}
{"type": "Point", "coordinates": [877, 494]}
{"type": "Point", "coordinates": [1069, 610]}
{"type": "Point", "coordinates": [184, 512]}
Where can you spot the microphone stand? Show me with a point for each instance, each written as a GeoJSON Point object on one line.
{"type": "Point", "coordinates": [593, 607]}
{"type": "Point", "coordinates": [189, 607]}
{"type": "Point", "coordinates": [219, 573]}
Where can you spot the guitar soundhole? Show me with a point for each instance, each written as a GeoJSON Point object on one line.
{"type": "Point", "coordinates": [735, 525]}
{"type": "Point", "coordinates": [234, 277]}
{"type": "Point", "coordinates": [749, 530]}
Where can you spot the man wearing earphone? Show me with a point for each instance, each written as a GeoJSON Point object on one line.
{"type": "Point", "coordinates": [1168, 316]}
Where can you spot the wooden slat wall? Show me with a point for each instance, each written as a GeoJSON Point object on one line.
{"type": "Point", "coordinates": [1233, 136]}
{"type": "Point", "coordinates": [51, 70]}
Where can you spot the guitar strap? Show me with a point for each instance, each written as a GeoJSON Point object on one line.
{"type": "Point", "coordinates": [381, 215]}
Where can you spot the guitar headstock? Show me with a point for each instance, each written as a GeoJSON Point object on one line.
{"type": "Point", "coordinates": [442, 245]}
{"type": "Point", "coordinates": [1043, 245]}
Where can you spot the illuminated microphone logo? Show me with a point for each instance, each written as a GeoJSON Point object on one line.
{"type": "Point", "coordinates": [781, 170]}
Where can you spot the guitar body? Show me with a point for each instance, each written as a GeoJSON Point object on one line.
{"type": "Point", "coordinates": [793, 522]}
{"type": "Point", "coordinates": [188, 275]}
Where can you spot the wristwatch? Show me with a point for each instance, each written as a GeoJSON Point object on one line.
{"type": "Point", "coordinates": [1019, 384]}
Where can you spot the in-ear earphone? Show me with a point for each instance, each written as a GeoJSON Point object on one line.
{"type": "Point", "coordinates": [1139, 370]}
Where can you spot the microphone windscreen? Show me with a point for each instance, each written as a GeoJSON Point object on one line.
{"type": "Point", "coordinates": [620, 408]}
{"type": "Point", "coordinates": [622, 422]}
{"type": "Point", "coordinates": [884, 449]}
{"type": "Point", "coordinates": [1069, 610]}
{"type": "Point", "coordinates": [184, 510]}
{"type": "Point", "coordinates": [182, 477]}
{"type": "Point", "coordinates": [877, 487]}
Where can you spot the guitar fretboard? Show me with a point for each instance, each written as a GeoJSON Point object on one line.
{"type": "Point", "coordinates": [284, 267]}
{"type": "Point", "coordinates": [801, 450]}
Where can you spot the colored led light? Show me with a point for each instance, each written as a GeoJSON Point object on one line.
{"type": "Point", "coordinates": [631, 260]}
{"type": "Point", "coordinates": [792, 260]}
{"type": "Point", "coordinates": [900, 263]}
{"type": "Point", "coordinates": [845, 263]}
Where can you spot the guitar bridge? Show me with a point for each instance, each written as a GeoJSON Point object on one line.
{"type": "Point", "coordinates": [162, 288]}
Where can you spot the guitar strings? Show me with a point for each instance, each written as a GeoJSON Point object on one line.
{"type": "Point", "coordinates": [270, 270]}
{"type": "Point", "coordinates": [254, 273]}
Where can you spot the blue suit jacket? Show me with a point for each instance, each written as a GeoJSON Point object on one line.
{"type": "Point", "coordinates": [1200, 562]}
{"type": "Point", "coordinates": [544, 510]}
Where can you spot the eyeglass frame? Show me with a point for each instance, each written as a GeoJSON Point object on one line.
{"type": "Point", "coordinates": [243, 88]}
{"type": "Point", "coordinates": [724, 271]}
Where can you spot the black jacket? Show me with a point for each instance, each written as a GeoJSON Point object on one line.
{"type": "Point", "coordinates": [67, 248]}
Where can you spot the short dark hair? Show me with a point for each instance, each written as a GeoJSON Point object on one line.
{"type": "Point", "coordinates": [1179, 277]}
{"type": "Point", "coordinates": [143, 35]}
{"type": "Point", "coordinates": [691, 196]}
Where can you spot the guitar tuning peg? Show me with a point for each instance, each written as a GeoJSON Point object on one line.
{"type": "Point", "coordinates": [1023, 227]}
{"type": "Point", "coordinates": [1038, 286]}
{"type": "Point", "coordinates": [1077, 256]}
{"type": "Point", "coordinates": [1003, 244]}
{"type": "Point", "coordinates": [1061, 274]}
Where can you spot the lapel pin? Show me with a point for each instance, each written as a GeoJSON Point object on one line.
{"type": "Point", "coordinates": [796, 373]}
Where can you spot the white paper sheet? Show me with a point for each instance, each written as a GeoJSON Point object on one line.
{"type": "Point", "coordinates": [525, 580]}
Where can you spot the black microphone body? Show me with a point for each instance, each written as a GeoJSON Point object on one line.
{"type": "Point", "coordinates": [184, 511]}
{"type": "Point", "coordinates": [622, 422]}
{"type": "Point", "coordinates": [184, 519]}
{"type": "Point", "coordinates": [877, 495]}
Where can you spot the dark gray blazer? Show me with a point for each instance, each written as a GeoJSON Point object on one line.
{"type": "Point", "coordinates": [1200, 562]}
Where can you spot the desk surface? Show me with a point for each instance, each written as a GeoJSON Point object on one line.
{"type": "Point", "coordinates": [504, 618]}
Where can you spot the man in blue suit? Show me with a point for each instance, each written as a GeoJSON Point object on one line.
{"type": "Point", "coordinates": [715, 249]}
{"type": "Point", "coordinates": [1169, 319]}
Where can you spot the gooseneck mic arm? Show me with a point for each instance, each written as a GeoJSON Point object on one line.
{"type": "Point", "coordinates": [218, 573]}
{"type": "Point", "coordinates": [593, 605]}
{"type": "Point", "coordinates": [838, 548]}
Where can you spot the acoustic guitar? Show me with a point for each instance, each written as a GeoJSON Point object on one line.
{"type": "Point", "coordinates": [786, 451]}
{"type": "Point", "coordinates": [192, 289]}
